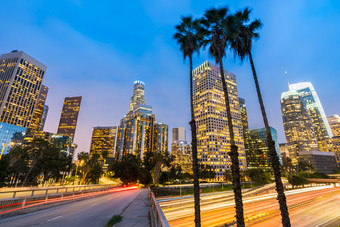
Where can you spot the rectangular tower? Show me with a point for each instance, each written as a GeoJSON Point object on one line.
{"type": "Point", "coordinates": [36, 123]}
{"type": "Point", "coordinates": [213, 140]}
{"type": "Point", "coordinates": [69, 116]}
{"type": "Point", "coordinates": [104, 139]}
{"type": "Point", "coordinates": [21, 79]}
{"type": "Point", "coordinates": [297, 125]}
{"type": "Point", "coordinates": [179, 134]}
{"type": "Point", "coordinates": [334, 123]}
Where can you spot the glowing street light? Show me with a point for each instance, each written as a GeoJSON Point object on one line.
{"type": "Point", "coordinates": [3, 148]}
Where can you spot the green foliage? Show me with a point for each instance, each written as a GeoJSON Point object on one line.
{"type": "Point", "coordinates": [259, 176]}
{"type": "Point", "coordinates": [33, 162]}
{"type": "Point", "coordinates": [128, 169]}
{"type": "Point", "coordinates": [114, 220]}
{"type": "Point", "coordinates": [207, 172]}
{"type": "Point", "coordinates": [297, 180]}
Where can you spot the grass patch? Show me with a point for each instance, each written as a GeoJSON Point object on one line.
{"type": "Point", "coordinates": [114, 220]}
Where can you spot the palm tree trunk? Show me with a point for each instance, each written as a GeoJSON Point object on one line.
{"type": "Point", "coordinates": [273, 155]}
{"type": "Point", "coordinates": [235, 168]}
{"type": "Point", "coordinates": [194, 154]}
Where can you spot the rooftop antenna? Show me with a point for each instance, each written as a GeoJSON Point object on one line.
{"type": "Point", "coordinates": [286, 73]}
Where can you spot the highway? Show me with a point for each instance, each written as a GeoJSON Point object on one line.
{"type": "Point", "coordinates": [264, 209]}
{"type": "Point", "coordinates": [96, 211]}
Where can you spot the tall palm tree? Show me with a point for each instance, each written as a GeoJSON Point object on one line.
{"type": "Point", "coordinates": [187, 38]}
{"type": "Point", "coordinates": [216, 38]}
{"type": "Point", "coordinates": [241, 43]}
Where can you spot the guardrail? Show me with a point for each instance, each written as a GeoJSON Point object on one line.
{"type": "Point", "coordinates": [156, 214]}
{"type": "Point", "coordinates": [13, 206]}
{"type": "Point", "coordinates": [25, 193]}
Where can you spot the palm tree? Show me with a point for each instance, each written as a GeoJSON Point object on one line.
{"type": "Point", "coordinates": [189, 42]}
{"type": "Point", "coordinates": [241, 43]}
{"type": "Point", "coordinates": [216, 37]}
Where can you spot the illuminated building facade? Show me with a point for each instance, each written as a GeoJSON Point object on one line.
{"type": "Point", "coordinates": [310, 98]}
{"type": "Point", "coordinates": [160, 138]}
{"type": "Point", "coordinates": [213, 141]}
{"type": "Point", "coordinates": [138, 95]}
{"type": "Point", "coordinates": [334, 123]}
{"type": "Point", "coordinates": [297, 125]}
{"type": "Point", "coordinates": [7, 132]}
{"type": "Point", "coordinates": [43, 118]}
{"type": "Point", "coordinates": [335, 147]}
{"type": "Point", "coordinates": [104, 139]}
{"type": "Point", "coordinates": [182, 153]}
{"type": "Point", "coordinates": [69, 116]}
{"type": "Point", "coordinates": [63, 143]}
{"type": "Point", "coordinates": [21, 79]}
{"type": "Point", "coordinates": [38, 121]}
{"type": "Point", "coordinates": [258, 154]}
{"type": "Point", "coordinates": [136, 130]}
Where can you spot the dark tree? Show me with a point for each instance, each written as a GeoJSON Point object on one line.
{"type": "Point", "coordinates": [242, 33]}
{"type": "Point", "coordinates": [216, 37]}
{"type": "Point", "coordinates": [189, 41]}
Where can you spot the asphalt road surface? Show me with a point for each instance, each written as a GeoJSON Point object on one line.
{"type": "Point", "coordinates": [89, 212]}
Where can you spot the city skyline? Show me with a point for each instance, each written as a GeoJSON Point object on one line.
{"type": "Point", "coordinates": [108, 83]}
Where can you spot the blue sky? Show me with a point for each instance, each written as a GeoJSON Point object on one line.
{"type": "Point", "coordinates": [98, 48]}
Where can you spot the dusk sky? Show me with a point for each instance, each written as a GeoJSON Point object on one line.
{"type": "Point", "coordinates": [97, 49]}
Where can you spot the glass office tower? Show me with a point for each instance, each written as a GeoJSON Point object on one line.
{"type": "Point", "coordinates": [21, 79]}
{"type": "Point", "coordinates": [69, 116]}
{"type": "Point", "coordinates": [297, 125]}
{"type": "Point", "coordinates": [136, 134]}
{"type": "Point", "coordinates": [213, 141]}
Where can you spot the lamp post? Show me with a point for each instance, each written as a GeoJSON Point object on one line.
{"type": "Point", "coordinates": [3, 148]}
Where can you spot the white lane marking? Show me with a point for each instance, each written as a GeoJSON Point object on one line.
{"type": "Point", "coordinates": [93, 204]}
{"type": "Point", "coordinates": [54, 218]}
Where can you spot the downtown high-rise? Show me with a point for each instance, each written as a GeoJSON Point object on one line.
{"type": "Point", "coordinates": [213, 139]}
{"type": "Point", "coordinates": [315, 110]}
{"type": "Point", "coordinates": [104, 139]}
{"type": "Point", "coordinates": [297, 125]}
{"type": "Point", "coordinates": [138, 131]}
{"type": "Point", "coordinates": [21, 79]}
{"type": "Point", "coordinates": [69, 117]}
{"type": "Point", "coordinates": [40, 112]}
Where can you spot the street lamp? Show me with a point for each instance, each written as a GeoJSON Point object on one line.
{"type": "Point", "coordinates": [3, 148]}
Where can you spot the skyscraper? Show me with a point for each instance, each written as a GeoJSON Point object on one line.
{"type": "Point", "coordinates": [136, 130]}
{"type": "Point", "coordinates": [37, 121]}
{"type": "Point", "coordinates": [258, 154]}
{"type": "Point", "coordinates": [69, 116]}
{"type": "Point", "coordinates": [319, 127]}
{"type": "Point", "coordinates": [43, 118]}
{"type": "Point", "coordinates": [297, 125]}
{"type": "Point", "coordinates": [160, 138]}
{"type": "Point", "coordinates": [334, 123]}
{"type": "Point", "coordinates": [138, 95]}
{"type": "Point", "coordinates": [179, 134]}
{"type": "Point", "coordinates": [308, 97]}
{"type": "Point", "coordinates": [213, 141]}
{"type": "Point", "coordinates": [21, 79]}
{"type": "Point", "coordinates": [104, 139]}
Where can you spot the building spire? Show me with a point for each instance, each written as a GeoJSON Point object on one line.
{"type": "Point", "coordinates": [286, 73]}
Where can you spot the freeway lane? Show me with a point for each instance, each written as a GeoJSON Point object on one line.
{"type": "Point", "coordinates": [319, 214]}
{"type": "Point", "coordinates": [220, 213]}
{"type": "Point", "coordinates": [89, 212]}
